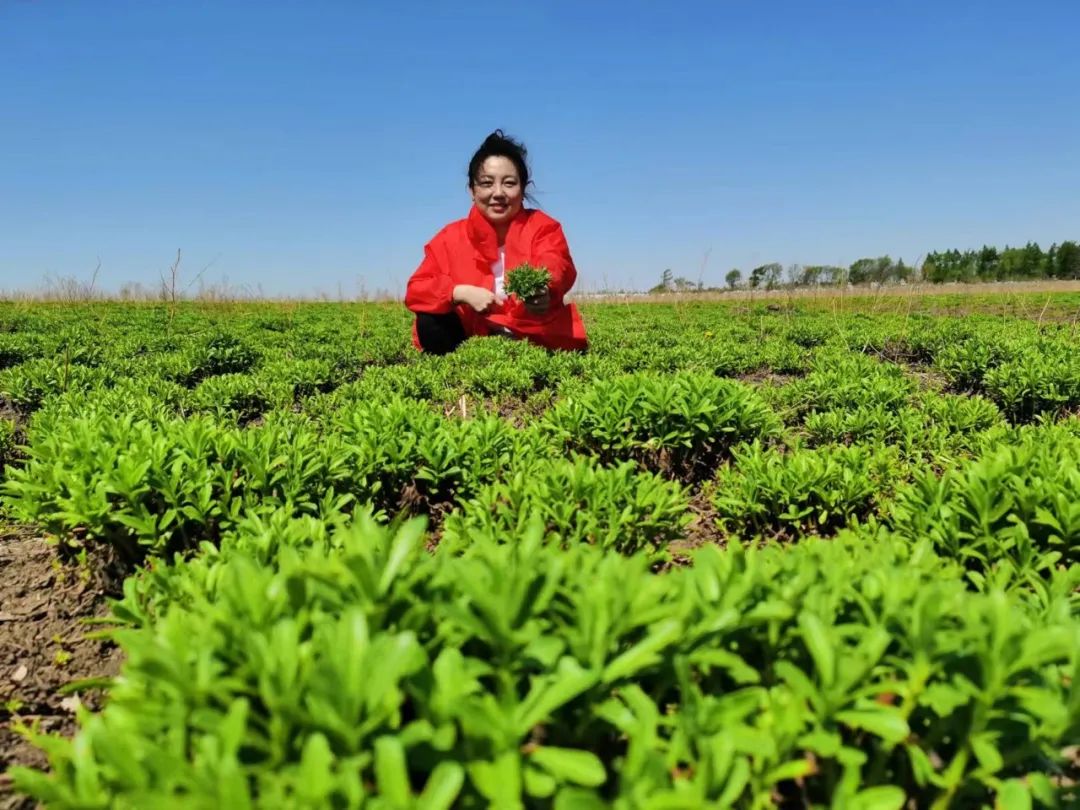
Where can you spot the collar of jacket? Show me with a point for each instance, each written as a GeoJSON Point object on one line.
{"type": "Point", "coordinates": [482, 233]}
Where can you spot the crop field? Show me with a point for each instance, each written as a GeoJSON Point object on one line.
{"type": "Point", "coordinates": [753, 554]}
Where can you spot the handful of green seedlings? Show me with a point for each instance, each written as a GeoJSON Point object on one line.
{"type": "Point", "coordinates": [526, 281]}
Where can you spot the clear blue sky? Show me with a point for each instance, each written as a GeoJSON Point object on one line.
{"type": "Point", "coordinates": [308, 147]}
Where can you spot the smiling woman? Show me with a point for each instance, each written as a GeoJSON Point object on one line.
{"type": "Point", "coordinates": [458, 291]}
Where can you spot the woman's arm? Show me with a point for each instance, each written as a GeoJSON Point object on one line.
{"type": "Point", "coordinates": [550, 250]}
{"type": "Point", "coordinates": [430, 289]}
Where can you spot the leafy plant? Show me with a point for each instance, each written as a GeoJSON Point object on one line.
{"type": "Point", "coordinates": [618, 508]}
{"type": "Point", "coordinates": [359, 669]}
{"type": "Point", "coordinates": [1018, 505]}
{"type": "Point", "coordinates": [770, 494]}
{"type": "Point", "coordinates": [526, 281]}
{"type": "Point", "coordinates": [683, 423]}
{"type": "Point", "coordinates": [9, 443]}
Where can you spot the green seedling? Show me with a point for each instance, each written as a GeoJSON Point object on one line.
{"type": "Point", "coordinates": [526, 281]}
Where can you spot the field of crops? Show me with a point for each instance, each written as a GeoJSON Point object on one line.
{"type": "Point", "coordinates": [752, 555]}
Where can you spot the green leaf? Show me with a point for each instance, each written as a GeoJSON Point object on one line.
{"type": "Point", "coordinates": [405, 541]}
{"type": "Point", "coordinates": [1013, 796]}
{"type": "Point", "coordinates": [316, 763]}
{"type": "Point", "coordinates": [443, 786]}
{"type": "Point", "coordinates": [820, 647]}
{"type": "Point", "coordinates": [794, 769]}
{"type": "Point", "coordinates": [732, 664]}
{"type": "Point", "coordinates": [736, 783]}
{"type": "Point", "coordinates": [499, 781]}
{"type": "Point", "coordinates": [391, 774]}
{"type": "Point", "coordinates": [549, 693]}
{"type": "Point", "coordinates": [823, 743]}
{"type": "Point", "coordinates": [538, 783]}
{"type": "Point", "coordinates": [577, 799]}
{"type": "Point", "coordinates": [984, 746]}
{"type": "Point", "coordinates": [883, 797]}
{"type": "Point", "coordinates": [885, 722]}
{"type": "Point", "coordinates": [571, 765]}
{"type": "Point", "coordinates": [943, 699]}
{"type": "Point", "coordinates": [645, 652]}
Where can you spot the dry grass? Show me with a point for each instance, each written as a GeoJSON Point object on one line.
{"type": "Point", "coordinates": [830, 293]}
{"type": "Point", "coordinates": [1041, 301]}
{"type": "Point", "coordinates": [1019, 294]}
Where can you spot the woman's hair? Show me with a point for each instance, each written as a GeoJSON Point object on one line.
{"type": "Point", "coordinates": [499, 145]}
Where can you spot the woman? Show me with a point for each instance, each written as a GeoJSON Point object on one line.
{"type": "Point", "coordinates": [457, 291]}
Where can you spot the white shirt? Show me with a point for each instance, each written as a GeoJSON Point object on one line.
{"type": "Point", "coordinates": [498, 267]}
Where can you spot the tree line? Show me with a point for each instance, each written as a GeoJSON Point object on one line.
{"type": "Point", "coordinates": [985, 264]}
{"type": "Point", "coordinates": [991, 264]}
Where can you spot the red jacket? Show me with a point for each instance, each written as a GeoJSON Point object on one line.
{"type": "Point", "coordinates": [463, 252]}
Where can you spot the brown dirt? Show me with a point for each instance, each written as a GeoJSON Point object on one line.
{"type": "Point", "coordinates": [701, 531]}
{"type": "Point", "coordinates": [929, 379]}
{"type": "Point", "coordinates": [11, 413]}
{"type": "Point", "coordinates": [766, 377]}
{"type": "Point", "coordinates": [44, 605]}
{"type": "Point", "coordinates": [519, 412]}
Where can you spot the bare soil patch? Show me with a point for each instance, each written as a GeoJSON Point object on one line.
{"type": "Point", "coordinates": [44, 607]}
{"type": "Point", "coordinates": [701, 531]}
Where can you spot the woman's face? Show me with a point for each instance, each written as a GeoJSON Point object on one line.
{"type": "Point", "coordinates": [497, 190]}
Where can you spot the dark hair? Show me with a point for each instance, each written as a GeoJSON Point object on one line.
{"type": "Point", "coordinates": [499, 145]}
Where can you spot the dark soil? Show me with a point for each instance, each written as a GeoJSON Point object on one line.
{"type": "Point", "coordinates": [44, 605]}
{"type": "Point", "coordinates": [764, 376]}
{"type": "Point", "coordinates": [928, 378]}
{"type": "Point", "coordinates": [701, 531]}
{"type": "Point", "coordinates": [518, 411]}
{"type": "Point", "coordinates": [11, 413]}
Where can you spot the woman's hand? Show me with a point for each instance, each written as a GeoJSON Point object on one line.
{"type": "Point", "coordinates": [539, 304]}
{"type": "Point", "coordinates": [479, 298]}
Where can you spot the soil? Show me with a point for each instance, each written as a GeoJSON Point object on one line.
{"type": "Point", "coordinates": [44, 605]}
{"type": "Point", "coordinates": [701, 531]}
{"type": "Point", "coordinates": [928, 378]}
{"type": "Point", "coordinates": [12, 414]}
{"type": "Point", "coordinates": [766, 377]}
{"type": "Point", "coordinates": [518, 411]}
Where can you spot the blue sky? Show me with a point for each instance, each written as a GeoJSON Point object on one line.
{"type": "Point", "coordinates": [314, 147]}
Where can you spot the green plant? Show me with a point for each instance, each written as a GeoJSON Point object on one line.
{"type": "Point", "coordinates": [526, 281]}
{"type": "Point", "coordinates": [577, 501]}
{"type": "Point", "coordinates": [360, 670]}
{"type": "Point", "coordinates": [680, 424]}
{"type": "Point", "coordinates": [775, 495]}
{"type": "Point", "coordinates": [1017, 505]}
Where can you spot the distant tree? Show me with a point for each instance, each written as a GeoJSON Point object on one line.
{"type": "Point", "coordinates": [794, 274]}
{"type": "Point", "coordinates": [1034, 261]}
{"type": "Point", "coordinates": [1011, 263]}
{"type": "Point", "coordinates": [733, 277]}
{"type": "Point", "coordinates": [859, 271]}
{"type": "Point", "coordinates": [929, 268]}
{"type": "Point", "coordinates": [1067, 260]}
{"type": "Point", "coordinates": [877, 271]}
{"type": "Point", "coordinates": [987, 263]}
{"type": "Point", "coordinates": [683, 284]}
{"type": "Point", "coordinates": [767, 273]}
{"type": "Point", "coordinates": [823, 274]}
